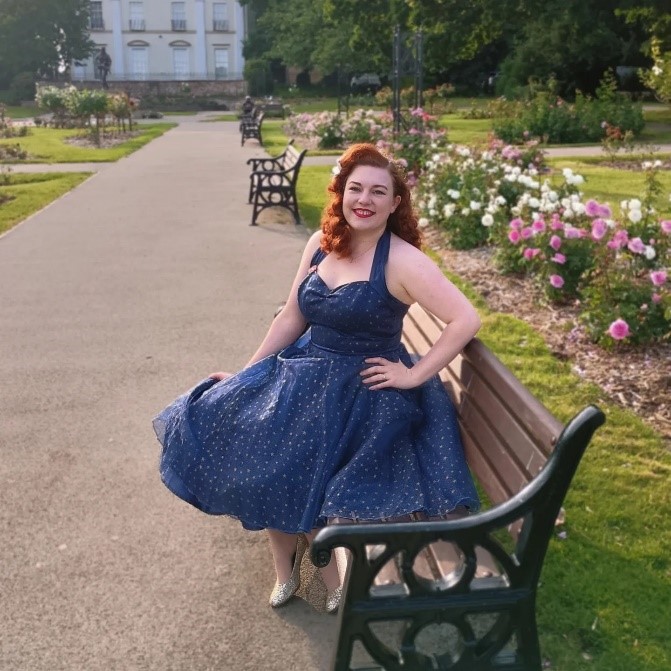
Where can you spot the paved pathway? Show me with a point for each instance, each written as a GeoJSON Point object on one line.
{"type": "Point", "coordinates": [115, 298]}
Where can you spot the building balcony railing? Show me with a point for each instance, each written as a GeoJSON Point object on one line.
{"type": "Point", "coordinates": [220, 74]}
{"type": "Point", "coordinates": [96, 23]}
{"type": "Point", "coordinates": [136, 25]}
{"type": "Point", "coordinates": [178, 25]}
{"type": "Point", "coordinates": [220, 26]}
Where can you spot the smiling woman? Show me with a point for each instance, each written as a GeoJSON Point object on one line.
{"type": "Point", "coordinates": [331, 417]}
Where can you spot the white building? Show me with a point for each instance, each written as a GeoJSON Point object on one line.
{"type": "Point", "coordinates": [160, 40]}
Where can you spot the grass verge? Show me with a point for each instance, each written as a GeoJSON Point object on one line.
{"type": "Point", "coordinates": [32, 192]}
{"type": "Point", "coordinates": [612, 184]}
{"type": "Point", "coordinates": [21, 112]}
{"type": "Point", "coordinates": [604, 593]}
{"type": "Point", "coordinates": [47, 145]}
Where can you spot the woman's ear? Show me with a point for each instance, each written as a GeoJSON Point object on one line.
{"type": "Point", "coordinates": [397, 202]}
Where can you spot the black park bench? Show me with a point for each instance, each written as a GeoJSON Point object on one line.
{"type": "Point", "coordinates": [250, 128]}
{"type": "Point", "coordinates": [272, 181]}
{"type": "Point", "coordinates": [459, 593]}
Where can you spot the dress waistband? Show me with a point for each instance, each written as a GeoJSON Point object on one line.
{"type": "Point", "coordinates": [351, 344]}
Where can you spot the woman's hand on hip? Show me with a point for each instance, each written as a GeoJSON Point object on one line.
{"type": "Point", "coordinates": [384, 374]}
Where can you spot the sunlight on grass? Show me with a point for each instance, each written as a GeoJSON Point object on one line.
{"type": "Point", "coordinates": [311, 193]}
{"type": "Point", "coordinates": [613, 185]}
{"type": "Point", "coordinates": [32, 192]}
{"type": "Point", "coordinates": [46, 145]}
{"type": "Point", "coordinates": [466, 131]}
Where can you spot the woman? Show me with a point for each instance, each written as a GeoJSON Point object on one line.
{"type": "Point", "coordinates": [336, 421]}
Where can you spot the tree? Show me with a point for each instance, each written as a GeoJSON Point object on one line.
{"type": "Point", "coordinates": [655, 18]}
{"type": "Point", "coordinates": [42, 37]}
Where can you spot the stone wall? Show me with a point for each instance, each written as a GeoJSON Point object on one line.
{"type": "Point", "coordinates": [225, 88]}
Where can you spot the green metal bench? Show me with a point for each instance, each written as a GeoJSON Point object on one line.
{"type": "Point", "coordinates": [272, 182]}
{"type": "Point", "coordinates": [250, 128]}
{"type": "Point", "coordinates": [460, 593]}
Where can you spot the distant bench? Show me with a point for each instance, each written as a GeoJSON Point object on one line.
{"type": "Point", "coordinates": [250, 128]}
{"type": "Point", "coordinates": [461, 571]}
{"type": "Point", "coordinates": [272, 181]}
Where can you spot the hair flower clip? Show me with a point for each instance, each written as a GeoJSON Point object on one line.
{"type": "Point", "coordinates": [336, 168]}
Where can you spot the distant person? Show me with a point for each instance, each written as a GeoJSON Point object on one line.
{"type": "Point", "coordinates": [103, 63]}
{"type": "Point", "coordinates": [248, 106]}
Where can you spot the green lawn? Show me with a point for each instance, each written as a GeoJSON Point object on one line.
{"type": "Point", "coordinates": [32, 192]}
{"type": "Point", "coordinates": [15, 112]}
{"type": "Point", "coordinates": [613, 185]}
{"type": "Point", "coordinates": [228, 116]}
{"type": "Point", "coordinates": [466, 131]}
{"type": "Point", "coordinates": [45, 145]}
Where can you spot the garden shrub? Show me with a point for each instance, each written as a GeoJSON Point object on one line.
{"type": "Point", "coordinates": [548, 117]}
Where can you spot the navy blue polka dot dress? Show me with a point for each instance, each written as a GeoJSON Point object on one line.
{"type": "Point", "coordinates": [297, 438]}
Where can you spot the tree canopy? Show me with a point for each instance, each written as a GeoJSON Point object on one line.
{"type": "Point", "coordinates": [41, 37]}
{"type": "Point", "coordinates": [575, 41]}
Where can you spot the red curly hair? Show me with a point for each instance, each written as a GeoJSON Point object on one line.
{"type": "Point", "coordinates": [336, 233]}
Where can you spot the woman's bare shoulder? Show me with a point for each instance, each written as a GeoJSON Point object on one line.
{"type": "Point", "coordinates": [313, 243]}
{"type": "Point", "coordinates": [403, 253]}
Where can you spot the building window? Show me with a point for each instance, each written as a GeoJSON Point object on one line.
{"type": "Point", "coordinates": [139, 62]}
{"type": "Point", "coordinates": [136, 21]}
{"type": "Point", "coordinates": [180, 62]}
{"type": "Point", "coordinates": [220, 16]}
{"type": "Point", "coordinates": [220, 63]}
{"type": "Point", "coordinates": [96, 16]}
{"type": "Point", "coordinates": [178, 16]}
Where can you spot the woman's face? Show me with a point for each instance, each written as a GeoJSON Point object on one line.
{"type": "Point", "coordinates": [369, 198]}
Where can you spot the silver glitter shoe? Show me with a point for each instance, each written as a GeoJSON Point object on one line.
{"type": "Point", "coordinates": [333, 600]}
{"type": "Point", "coordinates": [282, 592]}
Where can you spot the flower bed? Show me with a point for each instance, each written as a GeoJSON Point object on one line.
{"type": "Point", "coordinates": [616, 267]}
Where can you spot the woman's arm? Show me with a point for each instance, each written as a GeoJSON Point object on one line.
{"type": "Point", "coordinates": [289, 323]}
{"type": "Point", "coordinates": [414, 277]}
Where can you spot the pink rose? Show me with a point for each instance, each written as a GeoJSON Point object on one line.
{"type": "Point", "coordinates": [658, 277]}
{"type": "Point", "coordinates": [636, 245]}
{"type": "Point", "coordinates": [592, 208]}
{"type": "Point", "coordinates": [656, 298]}
{"type": "Point", "coordinates": [526, 232]}
{"type": "Point", "coordinates": [514, 236]}
{"type": "Point", "coordinates": [556, 224]}
{"type": "Point", "coordinates": [571, 232]}
{"type": "Point", "coordinates": [538, 225]}
{"type": "Point", "coordinates": [555, 242]}
{"type": "Point", "coordinates": [530, 253]}
{"type": "Point", "coordinates": [666, 226]}
{"type": "Point", "coordinates": [558, 258]}
{"type": "Point", "coordinates": [618, 330]}
{"type": "Point", "coordinates": [599, 229]}
{"type": "Point", "coordinates": [516, 224]}
{"type": "Point", "coordinates": [619, 240]}
{"type": "Point", "coordinates": [557, 281]}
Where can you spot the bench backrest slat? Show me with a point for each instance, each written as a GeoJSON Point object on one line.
{"type": "Point", "coordinates": [502, 416]}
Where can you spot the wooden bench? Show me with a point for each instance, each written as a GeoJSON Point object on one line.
{"type": "Point", "coordinates": [460, 593]}
{"type": "Point", "coordinates": [272, 182]}
{"type": "Point", "coordinates": [250, 128]}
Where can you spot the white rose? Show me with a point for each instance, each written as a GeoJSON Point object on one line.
{"type": "Point", "coordinates": [650, 252]}
{"type": "Point", "coordinates": [487, 220]}
{"type": "Point", "coordinates": [635, 216]}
